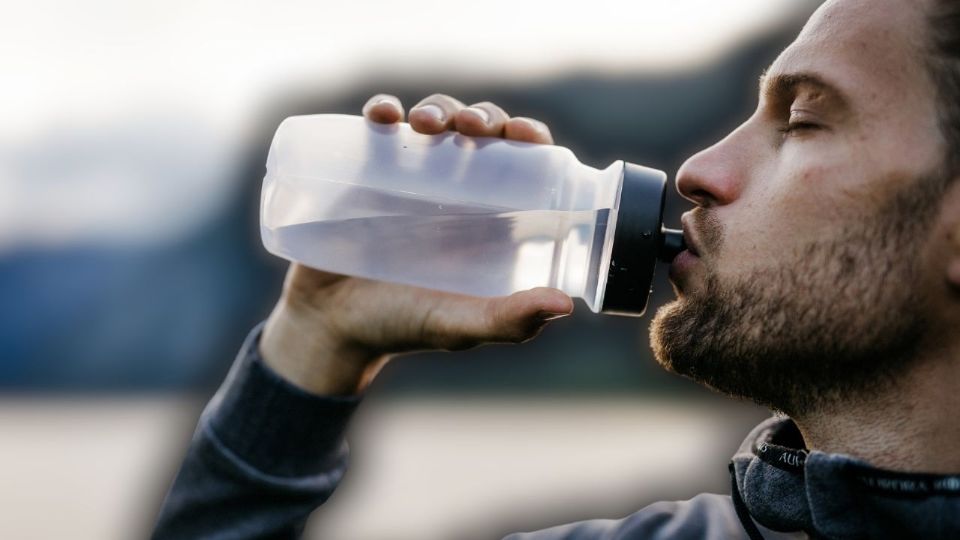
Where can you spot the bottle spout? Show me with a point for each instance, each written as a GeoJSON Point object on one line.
{"type": "Point", "coordinates": [672, 245]}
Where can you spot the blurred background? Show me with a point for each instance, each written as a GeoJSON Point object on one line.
{"type": "Point", "coordinates": [132, 145]}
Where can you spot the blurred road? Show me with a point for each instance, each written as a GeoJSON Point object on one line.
{"type": "Point", "coordinates": [421, 468]}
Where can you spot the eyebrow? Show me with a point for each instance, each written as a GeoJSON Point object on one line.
{"type": "Point", "coordinates": [785, 84]}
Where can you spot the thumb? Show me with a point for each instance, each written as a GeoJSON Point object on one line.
{"type": "Point", "coordinates": [521, 316]}
{"type": "Point", "coordinates": [460, 322]}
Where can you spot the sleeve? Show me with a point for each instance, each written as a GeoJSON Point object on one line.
{"type": "Point", "coordinates": [704, 517]}
{"type": "Point", "coordinates": [264, 456]}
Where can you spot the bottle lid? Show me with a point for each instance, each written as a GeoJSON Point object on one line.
{"type": "Point", "coordinates": [637, 240]}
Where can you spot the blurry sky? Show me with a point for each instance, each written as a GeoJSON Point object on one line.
{"type": "Point", "coordinates": [131, 136]}
{"type": "Point", "coordinates": [87, 81]}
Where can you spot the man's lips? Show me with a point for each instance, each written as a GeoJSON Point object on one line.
{"type": "Point", "coordinates": [682, 264]}
{"type": "Point", "coordinates": [687, 259]}
{"type": "Point", "coordinates": [688, 240]}
{"type": "Point", "coordinates": [689, 233]}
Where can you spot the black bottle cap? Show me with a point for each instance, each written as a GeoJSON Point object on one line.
{"type": "Point", "coordinates": [637, 241]}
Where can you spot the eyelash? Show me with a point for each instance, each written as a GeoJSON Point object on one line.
{"type": "Point", "coordinates": [793, 127]}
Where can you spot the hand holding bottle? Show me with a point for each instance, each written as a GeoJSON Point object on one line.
{"type": "Point", "coordinates": [330, 334]}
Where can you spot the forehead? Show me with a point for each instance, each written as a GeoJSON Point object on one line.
{"type": "Point", "coordinates": [873, 50]}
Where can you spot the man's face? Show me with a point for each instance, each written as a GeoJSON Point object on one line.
{"type": "Point", "coordinates": [806, 282]}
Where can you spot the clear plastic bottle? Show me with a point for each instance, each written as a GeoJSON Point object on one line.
{"type": "Point", "coordinates": [480, 216]}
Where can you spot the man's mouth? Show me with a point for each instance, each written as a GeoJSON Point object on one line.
{"type": "Point", "coordinates": [688, 240]}
{"type": "Point", "coordinates": [688, 258]}
{"type": "Point", "coordinates": [690, 233]}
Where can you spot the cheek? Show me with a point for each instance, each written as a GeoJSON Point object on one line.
{"type": "Point", "coordinates": [777, 217]}
{"type": "Point", "coordinates": [817, 191]}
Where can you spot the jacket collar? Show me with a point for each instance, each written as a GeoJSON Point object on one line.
{"type": "Point", "coordinates": [787, 488]}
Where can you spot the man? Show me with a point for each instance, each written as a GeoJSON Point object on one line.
{"type": "Point", "coordinates": [822, 280]}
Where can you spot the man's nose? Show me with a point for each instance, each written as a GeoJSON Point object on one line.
{"type": "Point", "coordinates": [713, 177]}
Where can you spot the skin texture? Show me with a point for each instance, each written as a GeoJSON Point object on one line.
{"type": "Point", "coordinates": [805, 198]}
{"type": "Point", "coordinates": [825, 239]}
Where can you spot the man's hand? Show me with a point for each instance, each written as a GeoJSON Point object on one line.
{"type": "Point", "coordinates": [330, 333]}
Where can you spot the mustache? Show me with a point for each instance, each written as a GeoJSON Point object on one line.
{"type": "Point", "coordinates": [708, 230]}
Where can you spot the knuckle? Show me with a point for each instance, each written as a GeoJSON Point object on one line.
{"type": "Point", "coordinates": [495, 110]}
{"type": "Point", "coordinates": [436, 99]}
{"type": "Point", "coordinates": [488, 105]}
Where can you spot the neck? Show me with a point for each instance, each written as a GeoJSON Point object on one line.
{"type": "Point", "coordinates": [910, 427]}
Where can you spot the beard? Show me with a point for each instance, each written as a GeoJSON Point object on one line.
{"type": "Point", "coordinates": [837, 320]}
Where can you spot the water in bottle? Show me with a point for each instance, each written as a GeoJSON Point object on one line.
{"type": "Point", "coordinates": [479, 216]}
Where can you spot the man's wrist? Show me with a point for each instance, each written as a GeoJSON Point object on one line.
{"type": "Point", "coordinates": [303, 349]}
{"type": "Point", "coordinates": [273, 426]}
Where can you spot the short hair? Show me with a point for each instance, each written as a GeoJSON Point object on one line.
{"type": "Point", "coordinates": [944, 63]}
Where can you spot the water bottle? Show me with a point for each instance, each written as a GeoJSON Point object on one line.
{"type": "Point", "coordinates": [476, 215]}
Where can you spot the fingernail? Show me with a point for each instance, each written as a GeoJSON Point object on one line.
{"type": "Point", "coordinates": [479, 113]}
{"type": "Point", "coordinates": [434, 112]}
{"type": "Point", "coordinates": [550, 316]}
{"type": "Point", "coordinates": [536, 125]}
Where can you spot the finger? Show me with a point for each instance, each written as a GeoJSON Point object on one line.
{"type": "Point", "coordinates": [306, 279]}
{"type": "Point", "coordinates": [527, 129]}
{"type": "Point", "coordinates": [520, 316]}
{"type": "Point", "coordinates": [482, 120]}
{"type": "Point", "coordinates": [383, 109]}
{"type": "Point", "coordinates": [465, 322]}
{"type": "Point", "coordinates": [434, 114]}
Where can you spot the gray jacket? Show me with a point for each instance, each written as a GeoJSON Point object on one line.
{"type": "Point", "coordinates": [265, 455]}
